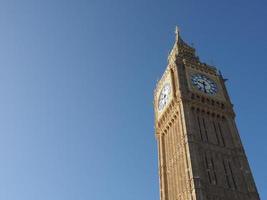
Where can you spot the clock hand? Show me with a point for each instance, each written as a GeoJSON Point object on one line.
{"type": "Point", "coordinates": [200, 83]}
{"type": "Point", "coordinates": [205, 85]}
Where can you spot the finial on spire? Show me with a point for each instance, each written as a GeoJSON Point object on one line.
{"type": "Point", "coordinates": [176, 33]}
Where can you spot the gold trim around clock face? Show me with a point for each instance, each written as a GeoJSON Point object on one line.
{"type": "Point", "coordinates": [204, 83]}
{"type": "Point", "coordinates": [164, 94]}
{"type": "Point", "coordinates": [211, 88]}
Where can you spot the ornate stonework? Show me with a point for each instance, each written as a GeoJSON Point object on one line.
{"type": "Point", "coordinates": [201, 156]}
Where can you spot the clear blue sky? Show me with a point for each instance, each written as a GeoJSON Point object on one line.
{"type": "Point", "coordinates": [77, 80]}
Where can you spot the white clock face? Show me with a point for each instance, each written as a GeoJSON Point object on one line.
{"type": "Point", "coordinates": [164, 96]}
{"type": "Point", "coordinates": [204, 84]}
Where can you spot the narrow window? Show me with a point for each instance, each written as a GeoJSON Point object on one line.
{"type": "Point", "coordinates": [226, 175]}
{"type": "Point", "coordinates": [207, 167]}
{"type": "Point", "coordinates": [199, 127]}
{"type": "Point", "coordinates": [232, 175]}
{"type": "Point", "coordinates": [206, 161]}
{"type": "Point", "coordinates": [215, 177]}
{"type": "Point", "coordinates": [216, 133]}
{"type": "Point", "coordinates": [220, 130]}
{"type": "Point", "coordinates": [214, 172]}
{"type": "Point", "coordinates": [206, 132]}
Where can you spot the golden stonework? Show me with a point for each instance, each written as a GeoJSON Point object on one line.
{"type": "Point", "coordinates": [201, 156]}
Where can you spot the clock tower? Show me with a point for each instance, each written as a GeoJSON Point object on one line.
{"type": "Point", "coordinates": [200, 153]}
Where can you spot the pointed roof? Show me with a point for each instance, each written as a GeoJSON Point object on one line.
{"type": "Point", "coordinates": [180, 47]}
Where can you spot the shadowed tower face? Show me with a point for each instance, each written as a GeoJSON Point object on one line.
{"type": "Point", "coordinates": [201, 156]}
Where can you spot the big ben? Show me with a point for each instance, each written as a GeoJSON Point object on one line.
{"type": "Point", "coordinates": [200, 153]}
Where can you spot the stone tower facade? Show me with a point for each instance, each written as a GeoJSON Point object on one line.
{"type": "Point", "coordinates": [200, 153]}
